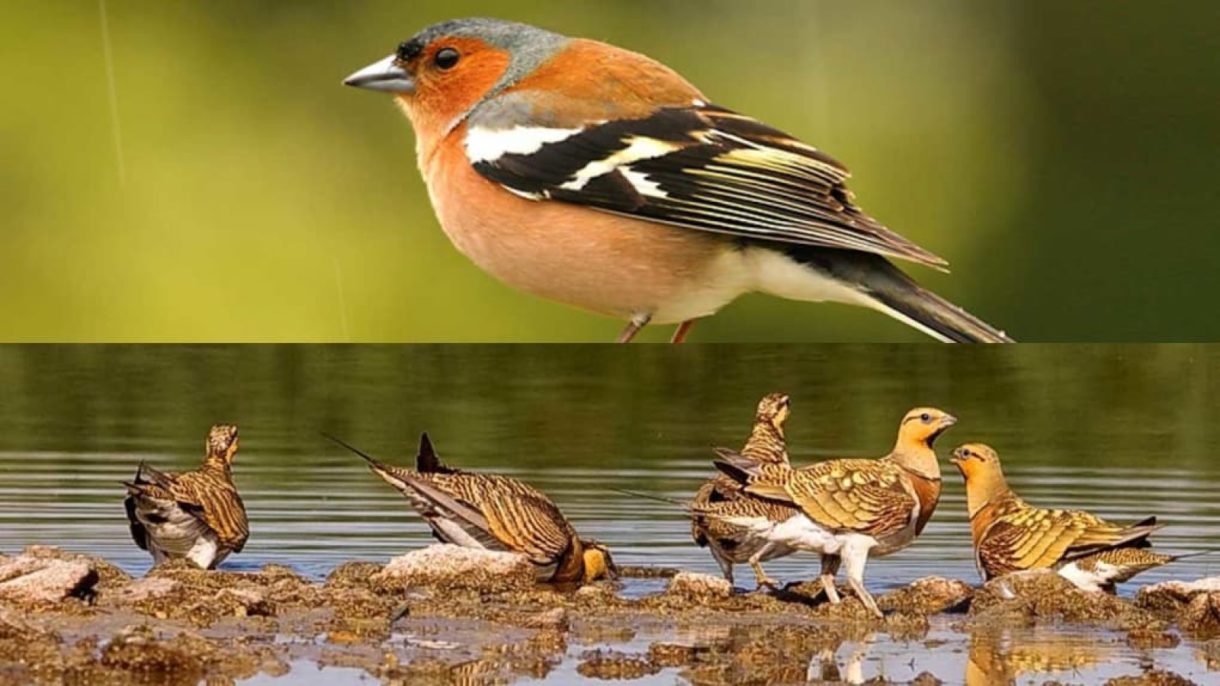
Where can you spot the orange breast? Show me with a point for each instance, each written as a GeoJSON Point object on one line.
{"type": "Point", "coordinates": [598, 261]}
{"type": "Point", "coordinates": [928, 492]}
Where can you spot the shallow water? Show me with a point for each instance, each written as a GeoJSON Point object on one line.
{"type": "Point", "coordinates": [1125, 431]}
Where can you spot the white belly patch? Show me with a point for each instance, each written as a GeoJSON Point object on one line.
{"type": "Point", "coordinates": [800, 533]}
{"type": "Point", "coordinates": [175, 533]}
{"type": "Point", "coordinates": [1091, 581]}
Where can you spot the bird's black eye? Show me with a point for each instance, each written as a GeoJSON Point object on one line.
{"type": "Point", "coordinates": [446, 58]}
{"type": "Point", "coordinates": [925, 417]}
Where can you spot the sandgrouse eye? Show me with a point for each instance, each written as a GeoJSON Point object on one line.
{"type": "Point", "coordinates": [925, 417]}
{"type": "Point", "coordinates": [446, 58]}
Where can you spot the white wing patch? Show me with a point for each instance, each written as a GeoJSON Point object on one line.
{"type": "Point", "coordinates": [488, 145]}
{"type": "Point", "coordinates": [642, 184]}
{"type": "Point", "coordinates": [638, 148]}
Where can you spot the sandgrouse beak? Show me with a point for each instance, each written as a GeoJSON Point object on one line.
{"type": "Point", "coordinates": [385, 75]}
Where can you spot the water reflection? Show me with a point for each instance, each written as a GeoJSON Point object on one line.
{"type": "Point", "coordinates": [1122, 431]}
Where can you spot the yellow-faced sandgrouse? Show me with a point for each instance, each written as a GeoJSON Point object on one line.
{"type": "Point", "coordinates": [1011, 535]}
{"type": "Point", "coordinates": [196, 515]}
{"type": "Point", "coordinates": [494, 512]}
{"type": "Point", "coordinates": [853, 509]}
{"type": "Point", "coordinates": [720, 507]}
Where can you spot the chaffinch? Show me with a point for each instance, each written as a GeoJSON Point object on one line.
{"type": "Point", "coordinates": [598, 177]}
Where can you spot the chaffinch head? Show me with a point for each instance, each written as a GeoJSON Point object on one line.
{"type": "Point", "coordinates": [595, 176]}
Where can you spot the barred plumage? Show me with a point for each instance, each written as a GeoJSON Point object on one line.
{"type": "Point", "coordinates": [719, 508]}
{"type": "Point", "coordinates": [494, 512]}
{"type": "Point", "coordinates": [854, 509]}
{"type": "Point", "coordinates": [1011, 535]}
{"type": "Point", "coordinates": [196, 515]}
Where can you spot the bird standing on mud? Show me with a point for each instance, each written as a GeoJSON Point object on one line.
{"type": "Point", "coordinates": [720, 507]}
{"type": "Point", "coordinates": [595, 176]}
{"type": "Point", "coordinates": [494, 512]}
{"type": "Point", "coordinates": [196, 515]}
{"type": "Point", "coordinates": [1011, 535]}
{"type": "Point", "coordinates": [852, 509]}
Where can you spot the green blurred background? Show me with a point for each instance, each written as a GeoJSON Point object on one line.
{"type": "Point", "coordinates": [1062, 155]}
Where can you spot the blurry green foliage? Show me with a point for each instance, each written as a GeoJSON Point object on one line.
{"type": "Point", "coordinates": [1062, 155]}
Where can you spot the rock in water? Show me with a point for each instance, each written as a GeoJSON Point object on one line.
{"type": "Point", "coordinates": [454, 567]}
{"type": "Point", "coordinates": [928, 596]}
{"type": "Point", "coordinates": [27, 579]}
{"type": "Point", "coordinates": [1195, 605]}
{"type": "Point", "coordinates": [695, 586]}
{"type": "Point", "coordinates": [148, 588]}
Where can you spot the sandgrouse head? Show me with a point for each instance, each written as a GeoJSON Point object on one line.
{"type": "Point", "coordinates": [773, 409]}
{"type": "Point", "coordinates": [222, 442]}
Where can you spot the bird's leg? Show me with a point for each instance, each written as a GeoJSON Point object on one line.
{"type": "Point", "coordinates": [830, 566]}
{"type": "Point", "coordinates": [855, 556]}
{"type": "Point", "coordinates": [681, 332]}
{"type": "Point", "coordinates": [726, 565]}
{"type": "Point", "coordinates": [633, 327]}
{"type": "Point", "coordinates": [764, 581]}
{"type": "Point", "coordinates": [857, 585]}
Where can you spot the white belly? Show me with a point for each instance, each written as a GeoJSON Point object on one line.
{"type": "Point", "coordinates": [800, 533]}
{"type": "Point", "coordinates": [756, 532]}
{"type": "Point", "coordinates": [1092, 581]}
{"type": "Point", "coordinates": [174, 533]}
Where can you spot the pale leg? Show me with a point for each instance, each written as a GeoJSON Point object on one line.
{"type": "Point", "coordinates": [830, 566]}
{"type": "Point", "coordinates": [726, 566]}
{"type": "Point", "coordinates": [756, 565]}
{"type": "Point", "coordinates": [855, 556]}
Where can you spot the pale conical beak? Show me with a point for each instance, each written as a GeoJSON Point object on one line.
{"type": "Point", "coordinates": [385, 75]}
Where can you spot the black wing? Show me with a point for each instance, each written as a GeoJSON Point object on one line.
{"type": "Point", "coordinates": [703, 168]}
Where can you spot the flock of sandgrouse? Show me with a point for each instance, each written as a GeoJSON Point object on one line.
{"type": "Point", "coordinates": [758, 508]}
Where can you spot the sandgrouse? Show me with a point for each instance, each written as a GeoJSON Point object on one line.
{"type": "Point", "coordinates": [1011, 535]}
{"type": "Point", "coordinates": [727, 522]}
{"type": "Point", "coordinates": [197, 515]}
{"type": "Point", "coordinates": [494, 512]}
{"type": "Point", "coordinates": [853, 509]}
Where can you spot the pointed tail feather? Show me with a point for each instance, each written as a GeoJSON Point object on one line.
{"type": "Point", "coordinates": [427, 461]}
{"type": "Point", "coordinates": [736, 466]}
{"type": "Point", "coordinates": [935, 316]}
{"type": "Point", "coordinates": [660, 499]}
{"type": "Point", "coordinates": [1197, 553]}
{"type": "Point", "coordinates": [146, 475]}
{"type": "Point", "coordinates": [871, 280]}
{"type": "Point", "coordinates": [379, 468]}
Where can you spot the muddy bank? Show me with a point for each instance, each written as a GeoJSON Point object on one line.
{"type": "Point", "coordinates": [438, 615]}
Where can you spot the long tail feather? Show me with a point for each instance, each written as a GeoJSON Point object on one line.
{"type": "Point", "coordinates": [932, 314]}
{"type": "Point", "coordinates": [1197, 553]}
{"type": "Point", "coordinates": [660, 499]}
{"type": "Point", "coordinates": [374, 464]}
{"type": "Point", "coordinates": [874, 281]}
